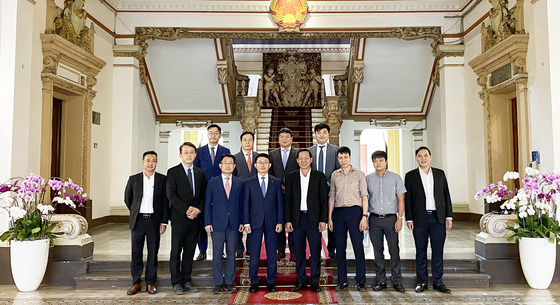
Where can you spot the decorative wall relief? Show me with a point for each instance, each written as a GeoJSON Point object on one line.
{"type": "Point", "coordinates": [503, 23]}
{"type": "Point", "coordinates": [70, 23]}
{"type": "Point", "coordinates": [289, 15]}
{"type": "Point", "coordinates": [292, 79]}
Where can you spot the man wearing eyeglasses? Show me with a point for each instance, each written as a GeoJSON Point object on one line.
{"type": "Point", "coordinates": [222, 216]}
{"type": "Point", "coordinates": [208, 158]}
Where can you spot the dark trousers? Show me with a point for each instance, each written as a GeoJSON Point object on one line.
{"type": "Point", "coordinates": [379, 227]}
{"type": "Point", "coordinates": [202, 238]}
{"type": "Point", "coordinates": [281, 240]}
{"type": "Point", "coordinates": [436, 232]}
{"type": "Point", "coordinates": [347, 220]}
{"type": "Point", "coordinates": [144, 230]}
{"type": "Point", "coordinates": [254, 242]}
{"type": "Point", "coordinates": [302, 234]}
{"type": "Point", "coordinates": [331, 243]}
{"type": "Point", "coordinates": [183, 240]}
{"type": "Point", "coordinates": [229, 237]}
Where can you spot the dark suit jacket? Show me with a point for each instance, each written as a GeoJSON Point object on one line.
{"type": "Point", "coordinates": [277, 169]}
{"type": "Point", "coordinates": [332, 160]}
{"type": "Point", "coordinates": [204, 161]}
{"type": "Point", "coordinates": [134, 192]}
{"type": "Point", "coordinates": [180, 195]}
{"type": "Point", "coordinates": [241, 170]}
{"type": "Point", "coordinates": [415, 198]}
{"type": "Point", "coordinates": [317, 198]}
{"type": "Point", "coordinates": [218, 209]}
{"type": "Point", "coordinates": [258, 210]}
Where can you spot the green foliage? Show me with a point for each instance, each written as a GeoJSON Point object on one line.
{"type": "Point", "coordinates": [536, 227]}
{"type": "Point", "coordinates": [32, 226]}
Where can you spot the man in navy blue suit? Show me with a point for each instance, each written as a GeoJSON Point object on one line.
{"type": "Point", "coordinates": [208, 159]}
{"type": "Point", "coordinates": [263, 210]}
{"type": "Point", "coordinates": [222, 219]}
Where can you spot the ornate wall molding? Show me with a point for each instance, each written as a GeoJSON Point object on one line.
{"type": "Point", "coordinates": [358, 72]}
{"type": "Point", "coordinates": [193, 124]}
{"type": "Point", "coordinates": [222, 72]}
{"type": "Point", "coordinates": [388, 122]}
{"type": "Point", "coordinates": [264, 6]}
{"type": "Point", "coordinates": [496, 224]}
{"type": "Point", "coordinates": [286, 49]}
{"type": "Point", "coordinates": [70, 224]}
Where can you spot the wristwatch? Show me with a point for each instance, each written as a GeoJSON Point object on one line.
{"type": "Point", "coordinates": [400, 217]}
{"type": "Point", "coordinates": [366, 216]}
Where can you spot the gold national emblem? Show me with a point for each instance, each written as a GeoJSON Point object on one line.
{"type": "Point", "coordinates": [283, 295]}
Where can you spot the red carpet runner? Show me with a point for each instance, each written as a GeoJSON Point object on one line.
{"type": "Point", "coordinates": [285, 279]}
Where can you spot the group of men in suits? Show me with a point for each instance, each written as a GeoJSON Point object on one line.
{"type": "Point", "coordinates": [302, 192]}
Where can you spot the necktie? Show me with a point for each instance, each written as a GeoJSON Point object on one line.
{"type": "Point", "coordinates": [263, 187]}
{"type": "Point", "coordinates": [284, 157]}
{"type": "Point", "coordinates": [321, 164]}
{"type": "Point", "coordinates": [227, 187]}
{"type": "Point", "coordinates": [212, 154]}
{"type": "Point", "coordinates": [190, 177]}
{"type": "Point", "coordinates": [249, 161]}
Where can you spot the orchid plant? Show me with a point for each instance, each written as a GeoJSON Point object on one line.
{"type": "Point", "coordinates": [534, 204]}
{"type": "Point", "coordinates": [30, 218]}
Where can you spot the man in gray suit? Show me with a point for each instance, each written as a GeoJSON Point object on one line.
{"type": "Point", "coordinates": [244, 169]}
{"type": "Point", "coordinates": [325, 161]}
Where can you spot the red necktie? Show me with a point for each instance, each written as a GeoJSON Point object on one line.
{"type": "Point", "coordinates": [249, 162]}
{"type": "Point", "coordinates": [227, 187]}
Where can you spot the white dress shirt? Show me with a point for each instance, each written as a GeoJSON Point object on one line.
{"type": "Point", "coordinates": [304, 185]}
{"type": "Point", "coordinates": [428, 184]}
{"type": "Point", "coordinates": [147, 203]}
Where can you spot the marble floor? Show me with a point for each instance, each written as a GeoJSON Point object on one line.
{"type": "Point", "coordinates": [495, 294]}
{"type": "Point", "coordinates": [112, 243]}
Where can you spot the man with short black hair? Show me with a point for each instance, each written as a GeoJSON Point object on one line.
{"type": "Point", "coordinates": [325, 161]}
{"type": "Point", "coordinates": [144, 196]}
{"type": "Point", "coordinates": [429, 213]}
{"type": "Point", "coordinates": [207, 159]}
{"type": "Point", "coordinates": [244, 169]}
{"type": "Point", "coordinates": [348, 213]}
{"type": "Point", "coordinates": [185, 190]}
{"type": "Point", "coordinates": [386, 208]}
{"type": "Point", "coordinates": [284, 161]}
{"type": "Point", "coordinates": [223, 220]}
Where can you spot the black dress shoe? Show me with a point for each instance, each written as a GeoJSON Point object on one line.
{"type": "Point", "coordinates": [201, 257]}
{"type": "Point", "coordinates": [217, 289]}
{"type": "Point", "coordinates": [398, 287]}
{"type": "Point", "coordinates": [420, 287]}
{"type": "Point", "coordinates": [299, 286]}
{"type": "Point", "coordinates": [189, 287]}
{"type": "Point", "coordinates": [230, 288]}
{"type": "Point", "coordinates": [254, 288]}
{"type": "Point", "coordinates": [361, 286]}
{"type": "Point", "coordinates": [332, 254]}
{"type": "Point", "coordinates": [442, 288]}
{"type": "Point", "coordinates": [315, 288]}
{"type": "Point", "coordinates": [271, 287]}
{"type": "Point", "coordinates": [280, 256]}
{"type": "Point", "coordinates": [239, 255]}
{"type": "Point", "coordinates": [341, 287]}
{"type": "Point", "coordinates": [178, 289]}
{"type": "Point", "coordinates": [379, 287]}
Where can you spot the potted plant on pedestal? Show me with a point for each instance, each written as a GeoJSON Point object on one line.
{"type": "Point", "coordinates": [31, 231]}
{"type": "Point", "coordinates": [536, 229]}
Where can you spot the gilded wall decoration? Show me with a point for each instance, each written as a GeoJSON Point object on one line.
{"type": "Point", "coordinates": [332, 114]}
{"type": "Point", "coordinates": [292, 79]}
{"type": "Point", "coordinates": [70, 23]}
{"type": "Point", "coordinates": [503, 23]}
{"type": "Point", "coordinates": [289, 15]}
{"type": "Point", "coordinates": [251, 113]}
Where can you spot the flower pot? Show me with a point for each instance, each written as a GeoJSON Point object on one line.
{"type": "Point", "coordinates": [29, 263]}
{"type": "Point", "coordinates": [538, 260]}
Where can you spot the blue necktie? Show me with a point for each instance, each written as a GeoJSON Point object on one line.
{"type": "Point", "coordinates": [321, 162]}
{"type": "Point", "coordinates": [190, 177]}
{"type": "Point", "coordinates": [284, 157]}
{"type": "Point", "coordinates": [263, 187]}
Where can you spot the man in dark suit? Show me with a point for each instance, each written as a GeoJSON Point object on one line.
{"type": "Point", "coordinates": [223, 220]}
{"type": "Point", "coordinates": [263, 214]}
{"type": "Point", "coordinates": [244, 169]}
{"type": "Point", "coordinates": [325, 161]}
{"type": "Point", "coordinates": [207, 159]}
{"type": "Point", "coordinates": [283, 162]}
{"type": "Point", "coordinates": [428, 213]}
{"type": "Point", "coordinates": [144, 196]}
{"type": "Point", "coordinates": [185, 190]}
{"type": "Point", "coordinates": [306, 215]}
